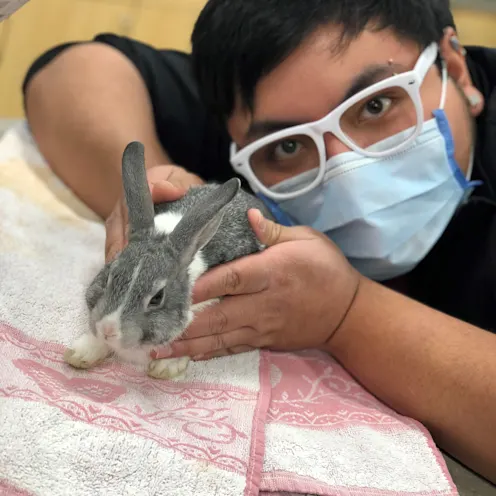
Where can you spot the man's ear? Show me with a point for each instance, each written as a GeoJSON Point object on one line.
{"type": "Point", "coordinates": [453, 53]}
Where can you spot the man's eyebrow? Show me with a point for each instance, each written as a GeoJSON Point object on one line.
{"type": "Point", "coordinates": [263, 128]}
{"type": "Point", "coordinates": [369, 76]}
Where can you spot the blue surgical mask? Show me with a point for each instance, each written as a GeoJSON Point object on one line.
{"type": "Point", "coordinates": [385, 214]}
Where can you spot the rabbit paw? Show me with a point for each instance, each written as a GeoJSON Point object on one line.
{"type": "Point", "coordinates": [168, 368]}
{"type": "Point", "coordinates": [86, 352]}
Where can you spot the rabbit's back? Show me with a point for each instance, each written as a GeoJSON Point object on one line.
{"type": "Point", "coordinates": [235, 237]}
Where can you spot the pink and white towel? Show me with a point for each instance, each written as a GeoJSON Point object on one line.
{"type": "Point", "coordinates": [259, 423]}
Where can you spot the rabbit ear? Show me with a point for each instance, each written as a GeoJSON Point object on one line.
{"type": "Point", "coordinates": [199, 225]}
{"type": "Point", "coordinates": [138, 197]}
{"type": "Point", "coordinates": [97, 287]}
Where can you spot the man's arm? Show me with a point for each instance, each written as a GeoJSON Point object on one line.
{"type": "Point", "coordinates": [83, 108]}
{"type": "Point", "coordinates": [428, 366]}
{"type": "Point", "coordinates": [422, 363]}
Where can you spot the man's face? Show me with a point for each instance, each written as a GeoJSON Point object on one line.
{"type": "Point", "coordinates": [314, 80]}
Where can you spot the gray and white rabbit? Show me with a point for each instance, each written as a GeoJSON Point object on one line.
{"type": "Point", "coordinates": [142, 299]}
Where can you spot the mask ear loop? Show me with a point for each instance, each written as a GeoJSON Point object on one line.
{"type": "Point", "coordinates": [471, 163]}
{"type": "Point", "coordinates": [444, 90]}
{"type": "Point", "coordinates": [442, 105]}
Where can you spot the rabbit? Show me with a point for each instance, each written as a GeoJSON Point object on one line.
{"type": "Point", "coordinates": [143, 298]}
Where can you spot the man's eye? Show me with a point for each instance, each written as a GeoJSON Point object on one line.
{"type": "Point", "coordinates": [287, 148]}
{"type": "Point", "coordinates": [377, 107]}
{"type": "Point", "coordinates": [157, 299]}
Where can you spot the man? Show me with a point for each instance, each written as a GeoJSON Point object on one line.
{"type": "Point", "coordinates": [366, 122]}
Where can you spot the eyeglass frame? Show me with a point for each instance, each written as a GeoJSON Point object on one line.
{"type": "Point", "coordinates": [410, 81]}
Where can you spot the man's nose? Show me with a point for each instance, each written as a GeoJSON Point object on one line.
{"type": "Point", "coordinates": [334, 146]}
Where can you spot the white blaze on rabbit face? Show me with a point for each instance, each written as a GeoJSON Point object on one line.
{"type": "Point", "coordinates": [109, 326]}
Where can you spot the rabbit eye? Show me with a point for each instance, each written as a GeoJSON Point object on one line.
{"type": "Point", "coordinates": [157, 299]}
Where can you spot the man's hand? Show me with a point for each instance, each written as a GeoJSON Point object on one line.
{"type": "Point", "coordinates": [294, 295]}
{"type": "Point", "coordinates": [167, 183]}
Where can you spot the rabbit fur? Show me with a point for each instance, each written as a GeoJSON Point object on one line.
{"type": "Point", "coordinates": [142, 299]}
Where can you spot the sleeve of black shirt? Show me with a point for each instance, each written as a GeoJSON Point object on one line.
{"type": "Point", "coordinates": [189, 135]}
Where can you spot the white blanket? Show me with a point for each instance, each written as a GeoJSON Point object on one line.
{"type": "Point", "coordinates": [239, 426]}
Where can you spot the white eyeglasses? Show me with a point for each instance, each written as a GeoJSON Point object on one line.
{"type": "Point", "coordinates": [392, 107]}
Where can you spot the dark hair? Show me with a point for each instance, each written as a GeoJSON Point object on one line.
{"type": "Point", "coordinates": [235, 43]}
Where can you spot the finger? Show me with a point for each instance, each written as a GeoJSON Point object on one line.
{"type": "Point", "coordinates": [113, 250]}
{"type": "Point", "coordinates": [270, 233]}
{"type": "Point", "coordinates": [174, 174]}
{"type": "Point", "coordinates": [159, 173]}
{"type": "Point", "coordinates": [163, 352]}
{"type": "Point", "coordinates": [210, 344]}
{"type": "Point", "coordinates": [115, 234]}
{"type": "Point", "coordinates": [230, 314]}
{"type": "Point", "coordinates": [235, 350]}
{"type": "Point", "coordinates": [183, 179]}
{"type": "Point", "coordinates": [164, 191]}
{"type": "Point", "coordinates": [246, 275]}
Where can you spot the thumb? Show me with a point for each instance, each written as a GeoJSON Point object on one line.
{"type": "Point", "coordinates": [270, 233]}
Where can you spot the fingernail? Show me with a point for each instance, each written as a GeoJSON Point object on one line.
{"type": "Point", "coordinates": [262, 224]}
{"type": "Point", "coordinates": [165, 352]}
{"type": "Point", "coordinates": [111, 256]}
{"type": "Point", "coordinates": [198, 357]}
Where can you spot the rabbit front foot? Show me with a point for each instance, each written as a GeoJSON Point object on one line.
{"type": "Point", "coordinates": [86, 352]}
{"type": "Point", "coordinates": [168, 368]}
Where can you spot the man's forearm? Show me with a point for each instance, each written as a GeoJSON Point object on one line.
{"type": "Point", "coordinates": [84, 107]}
{"type": "Point", "coordinates": [427, 366]}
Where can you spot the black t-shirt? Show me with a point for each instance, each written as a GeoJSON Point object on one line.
{"type": "Point", "coordinates": [458, 276]}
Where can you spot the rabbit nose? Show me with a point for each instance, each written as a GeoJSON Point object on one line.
{"type": "Point", "coordinates": [108, 329]}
